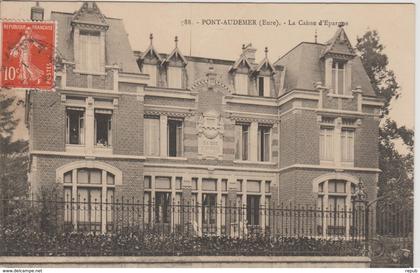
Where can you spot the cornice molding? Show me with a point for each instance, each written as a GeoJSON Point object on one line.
{"type": "Point", "coordinates": [87, 156]}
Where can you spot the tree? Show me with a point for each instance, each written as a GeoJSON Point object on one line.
{"type": "Point", "coordinates": [13, 153]}
{"type": "Point", "coordinates": [396, 178]}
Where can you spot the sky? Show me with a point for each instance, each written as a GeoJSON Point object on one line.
{"type": "Point", "coordinates": [203, 37]}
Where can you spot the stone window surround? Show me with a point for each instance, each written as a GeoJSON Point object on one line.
{"type": "Point", "coordinates": [350, 180]}
{"type": "Point", "coordinates": [187, 183]}
{"type": "Point", "coordinates": [106, 168]}
{"type": "Point", "coordinates": [89, 147]}
{"type": "Point", "coordinates": [347, 79]}
{"type": "Point", "coordinates": [338, 126]}
{"type": "Point", "coordinates": [253, 143]}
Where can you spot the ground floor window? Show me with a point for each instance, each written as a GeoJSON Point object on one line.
{"type": "Point", "coordinates": [334, 206]}
{"type": "Point", "coordinates": [163, 207]}
{"type": "Point", "coordinates": [253, 210]}
{"type": "Point", "coordinates": [88, 199]}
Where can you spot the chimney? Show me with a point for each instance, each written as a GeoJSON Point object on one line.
{"type": "Point", "coordinates": [37, 13]}
{"type": "Point", "coordinates": [249, 52]}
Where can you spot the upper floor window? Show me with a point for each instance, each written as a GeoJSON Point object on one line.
{"type": "Point", "coordinates": [90, 51]}
{"type": "Point", "coordinates": [326, 144]}
{"type": "Point", "coordinates": [338, 77]}
{"type": "Point", "coordinates": [241, 84]}
{"type": "Point", "coordinates": [175, 137]}
{"type": "Point", "coordinates": [75, 125]}
{"type": "Point", "coordinates": [174, 77]}
{"type": "Point", "coordinates": [103, 122]}
{"type": "Point", "coordinates": [241, 141]}
{"type": "Point", "coordinates": [152, 71]}
{"type": "Point", "coordinates": [264, 143]}
{"type": "Point", "coordinates": [264, 86]}
{"type": "Point", "coordinates": [151, 136]}
{"type": "Point", "coordinates": [347, 145]}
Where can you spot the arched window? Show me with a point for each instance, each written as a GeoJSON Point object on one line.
{"type": "Point", "coordinates": [334, 203]}
{"type": "Point", "coordinates": [88, 195]}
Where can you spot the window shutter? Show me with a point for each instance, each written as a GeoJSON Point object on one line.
{"type": "Point", "coordinates": [241, 84]}
{"type": "Point", "coordinates": [238, 142]}
{"type": "Point", "coordinates": [82, 129]}
{"type": "Point", "coordinates": [347, 67]}
{"type": "Point", "coordinates": [68, 129]}
{"type": "Point", "coordinates": [245, 142]}
{"type": "Point", "coordinates": [152, 71]}
{"type": "Point", "coordinates": [267, 145]}
{"type": "Point", "coordinates": [328, 73]}
{"type": "Point", "coordinates": [175, 77]}
{"type": "Point", "coordinates": [266, 86]}
{"type": "Point", "coordinates": [110, 131]}
{"type": "Point", "coordinates": [259, 140]}
{"type": "Point", "coordinates": [179, 139]}
{"type": "Point", "coordinates": [82, 48]}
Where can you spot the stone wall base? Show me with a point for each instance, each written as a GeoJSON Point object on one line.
{"type": "Point", "coordinates": [189, 261]}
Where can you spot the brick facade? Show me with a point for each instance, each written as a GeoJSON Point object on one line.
{"type": "Point", "coordinates": [293, 113]}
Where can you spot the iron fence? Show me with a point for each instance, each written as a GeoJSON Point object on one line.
{"type": "Point", "coordinates": [130, 227]}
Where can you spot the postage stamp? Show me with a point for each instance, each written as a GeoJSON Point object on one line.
{"type": "Point", "coordinates": [27, 55]}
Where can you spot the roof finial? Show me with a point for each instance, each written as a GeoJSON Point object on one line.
{"type": "Point", "coordinates": [151, 38]}
{"type": "Point", "coordinates": [341, 24]}
{"type": "Point", "coordinates": [176, 41]}
{"type": "Point", "coordinates": [266, 51]}
{"type": "Point", "coordinates": [316, 36]}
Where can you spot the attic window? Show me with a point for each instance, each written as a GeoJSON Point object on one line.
{"type": "Point", "coordinates": [90, 51]}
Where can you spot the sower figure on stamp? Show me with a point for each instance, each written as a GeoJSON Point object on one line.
{"type": "Point", "coordinates": [28, 70]}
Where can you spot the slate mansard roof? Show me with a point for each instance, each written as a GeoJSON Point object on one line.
{"type": "Point", "coordinates": [303, 65]}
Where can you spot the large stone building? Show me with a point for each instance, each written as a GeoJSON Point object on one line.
{"type": "Point", "coordinates": [161, 127]}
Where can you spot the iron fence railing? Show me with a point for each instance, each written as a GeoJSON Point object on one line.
{"type": "Point", "coordinates": [129, 227]}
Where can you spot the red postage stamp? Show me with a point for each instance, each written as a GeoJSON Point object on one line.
{"type": "Point", "coordinates": [27, 55]}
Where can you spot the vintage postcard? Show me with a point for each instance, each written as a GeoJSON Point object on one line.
{"type": "Point", "coordinates": [139, 134]}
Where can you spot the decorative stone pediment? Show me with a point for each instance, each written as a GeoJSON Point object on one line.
{"type": "Point", "coordinates": [339, 46]}
{"type": "Point", "coordinates": [89, 16]}
{"type": "Point", "coordinates": [210, 130]}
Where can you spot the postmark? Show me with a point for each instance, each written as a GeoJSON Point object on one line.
{"type": "Point", "coordinates": [27, 55]}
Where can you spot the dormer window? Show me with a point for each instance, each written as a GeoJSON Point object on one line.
{"type": "Point", "coordinates": [89, 28]}
{"type": "Point", "coordinates": [90, 49]}
{"type": "Point", "coordinates": [175, 63]}
{"type": "Point", "coordinates": [174, 77]}
{"type": "Point", "coordinates": [152, 71]}
{"type": "Point", "coordinates": [241, 84]}
{"type": "Point", "coordinates": [264, 86]}
{"type": "Point", "coordinates": [338, 77]}
{"type": "Point", "coordinates": [151, 60]}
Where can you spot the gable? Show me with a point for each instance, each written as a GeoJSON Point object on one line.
{"type": "Point", "coordinates": [89, 13]}
{"type": "Point", "coordinates": [339, 44]}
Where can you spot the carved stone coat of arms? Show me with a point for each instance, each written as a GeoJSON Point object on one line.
{"type": "Point", "coordinates": [210, 135]}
